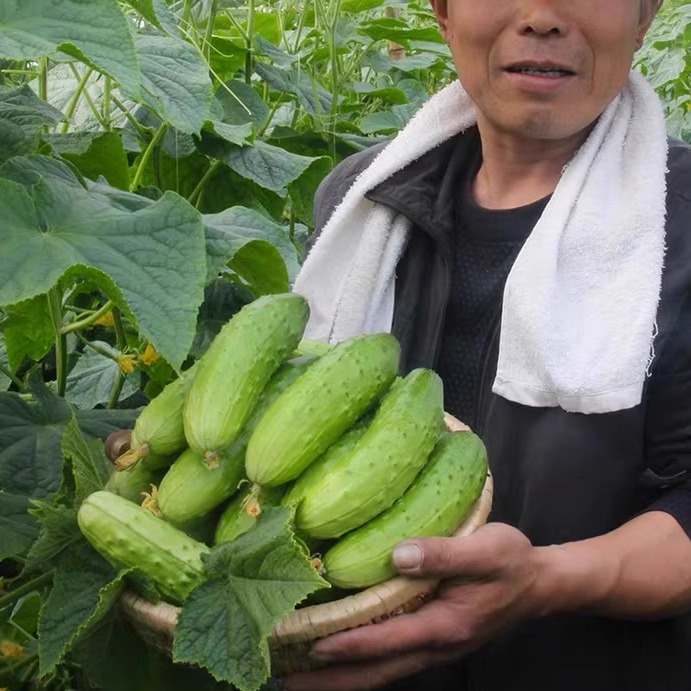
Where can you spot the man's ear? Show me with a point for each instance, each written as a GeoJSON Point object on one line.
{"type": "Point", "coordinates": [441, 12]}
{"type": "Point", "coordinates": [649, 9]}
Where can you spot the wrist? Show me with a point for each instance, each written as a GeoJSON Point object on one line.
{"type": "Point", "coordinates": [573, 577]}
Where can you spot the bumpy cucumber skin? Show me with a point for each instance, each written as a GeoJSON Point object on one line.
{"type": "Point", "coordinates": [395, 447]}
{"type": "Point", "coordinates": [127, 536]}
{"type": "Point", "coordinates": [193, 487]}
{"type": "Point", "coordinates": [132, 482]}
{"type": "Point", "coordinates": [234, 370]}
{"type": "Point", "coordinates": [318, 408]}
{"type": "Point", "coordinates": [160, 424]}
{"type": "Point", "coordinates": [322, 467]}
{"type": "Point", "coordinates": [436, 503]}
{"type": "Point", "coordinates": [235, 521]}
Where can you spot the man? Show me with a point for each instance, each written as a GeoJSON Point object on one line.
{"type": "Point", "coordinates": [582, 578]}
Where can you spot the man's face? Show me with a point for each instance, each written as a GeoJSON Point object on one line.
{"type": "Point", "coordinates": [543, 69]}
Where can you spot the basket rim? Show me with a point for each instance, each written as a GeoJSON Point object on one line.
{"type": "Point", "coordinates": [315, 621]}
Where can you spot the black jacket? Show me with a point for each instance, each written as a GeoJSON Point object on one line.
{"type": "Point", "coordinates": [558, 476]}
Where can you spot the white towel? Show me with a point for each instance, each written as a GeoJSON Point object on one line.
{"type": "Point", "coordinates": [578, 318]}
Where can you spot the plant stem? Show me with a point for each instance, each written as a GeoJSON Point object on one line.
{"type": "Point", "coordinates": [89, 100]}
{"type": "Point", "coordinates": [121, 343]}
{"type": "Point", "coordinates": [105, 101]}
{"type": "Point", "coordinates": [72, 104]}
{"type": "Point", "coordinates": [55, 307]}
{"type": "Point", "coordinates": [209, 33]}
{"type": "Point", "coordinates": [15, 380]}
{"type": "Point", "coordinates": [147, 155]}
{"type": "Point", "coordinates": [21, 662]}
{"type": "Point", "coordinates": [197, 191]}
{"type": "Point", "coordinates": [93, 346]}
{"type": "Point", "coordinates": [43, 78]}
{"type": "Point", "coordinates": [88, 321]}
{"type": "Point", "coordinates": [141, 131]}
{"type": "Point", "coordinates": [250, 41]}
{"type": "Point", "coordinates": [29, 586]}
{"type": "Point", "coordinates": [275, 107]}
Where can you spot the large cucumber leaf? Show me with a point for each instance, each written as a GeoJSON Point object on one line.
{"type": "Point", "coordinates": [252, 582]}
{"type": "Point", "coordinates": [94, 30]}
{"type": "Point", "coordinates": [150, 261]}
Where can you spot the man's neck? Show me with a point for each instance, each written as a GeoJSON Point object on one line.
{"type": "Point", "coordinates": [516, 172]}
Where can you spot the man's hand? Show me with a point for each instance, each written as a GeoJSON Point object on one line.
{"type": "Point", "coordinates": [489, 583]}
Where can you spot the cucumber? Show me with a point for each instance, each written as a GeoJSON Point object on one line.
{"type": "Point", "coordinates": [312, 346]}
{"type": "Point", "coordinates": [322, 467]}
{"type": "Point", "coordinates": [128, 536]}
{"type": "Point", "coordinates": [436, 503]}
{"type": "Point", "coordinates": [318, 408]}
{"type": "Point", "coordinates": [235, 520]}
{"type": "Point", "coordinates": [158, 434]}
{"type": "Point", "coordinates": [196, 483]}
{"type": "Point", "coordinates": [236, 367]}
{"type": "Point", "coordinates": [386, 459]}
{"type": "Point", "coordinates": [192, 486]}
{"type": "Point", "coordinates": [131, 483]}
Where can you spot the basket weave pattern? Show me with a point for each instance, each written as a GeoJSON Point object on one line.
{"type": "Point", "coordinates": [294, 634]}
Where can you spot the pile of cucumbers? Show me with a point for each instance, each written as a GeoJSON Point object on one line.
{"type": "Point", "coordinates": [267, 417]}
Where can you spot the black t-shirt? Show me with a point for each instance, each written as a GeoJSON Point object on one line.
{"type": "Point", "coordinates": [485, 245]}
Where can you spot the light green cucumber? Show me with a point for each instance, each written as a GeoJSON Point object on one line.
{"type": "Point", "coordinates": [197, 483]}
{"type": "Point", "coordinates": [322, 467]}
{"type": "Point", "coordinates": [235, 520]}
{"type": "Point", "coordinates": [158, 434]}
{"type": "Point", "coordinates": [385, 460]}
{"type": "Point", "coordinates": [234, 370]}
{"type": "Point", "coordinates": [192, 486]}
{"type": "Point", "coordinates": [318, 408]}
{"type": "Point", "coordinates": [128, 536]}
{"type": "Point", "coordinates": [312, 346]}
{"type": "Point", "coordinates": [131, 483]}
{"type": "Point", "coordinates": [436, 503]}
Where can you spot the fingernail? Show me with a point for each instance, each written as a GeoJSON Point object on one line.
{"type": "Point", "coordinates": [407, 556]}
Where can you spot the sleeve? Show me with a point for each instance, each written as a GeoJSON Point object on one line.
{"type": "Point", "coordinates": [668, 424]}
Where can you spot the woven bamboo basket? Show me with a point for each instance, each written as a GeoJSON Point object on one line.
{"type": "Point", "coordinates": [293, 636]}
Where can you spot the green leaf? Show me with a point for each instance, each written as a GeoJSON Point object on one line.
{"type": "Point", "coordinates": [89, 465]}
{"type": "Point", "coordinates": [17, 528]}
{"type": "Point", "coordinates": [269, 166]}
{"type": "Point", "coordinates": [58, 529]}
{"type": "Point", "coordinates": [30, 444]}
{"type": "Point", "coordinates": [254, 261]}
{"type": "Point", "coordinates": [93, 29]}
{"type": "Point", "coordinates": [303, 189]}
{"type": "Point", "coordinates": [150, 261]}
{"type": "Point", "coordinates": [100, 423]}
{"type": "Point", "coordinates": [391, 94]}
{"type": "Point", "coordinates": [388, 28]}
{"type": "Point", "coordinates": [357, 6]}
{"type": "Point", "coordinates": [158, 13]}
{"type": "Point", "coordinates": [106, 157]}
{"type": "Point", "coordinates": [85, 588]}
{"type": "Point", "coordinates": [229, 231]}
{"type": "Point", "coordinates": [235, 134]}
{"type": "Point", "coordinates": [92, 379]}
{"type": "Point", "coordinates": [314, 98]}
{"type": "Point", "coordinates": [22, 114]}
{"type": "Point", "coordinates": [274, 53]}
{"type": "Point", "coordinates": [5, 381]}
{"type": "Point", "coordinates": [241, 104]}
{"type": "Point", "coordinates": [28, 331]}
{"type": "Point", "coordinates": [175, 81]}
{"type": "Point", "coordinates": [253, 582]}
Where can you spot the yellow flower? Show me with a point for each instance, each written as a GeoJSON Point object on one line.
{"type": "Point", "coordinates": [149, 356]}
{"type": "Point", "coordinates": [126, 362]}
{"type": "Point", "coordinates": [106, 319]}
{"type": "Point", "coordinates": [10, 649]}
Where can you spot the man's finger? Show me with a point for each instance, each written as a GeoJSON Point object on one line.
{"type": "Point", "coordinates": [366, 675]}
{"type": "Point", "coordinates": [474, 556]}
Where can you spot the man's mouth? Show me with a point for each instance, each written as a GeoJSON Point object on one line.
{"type": "Point", "coordinates": [546, 70]}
